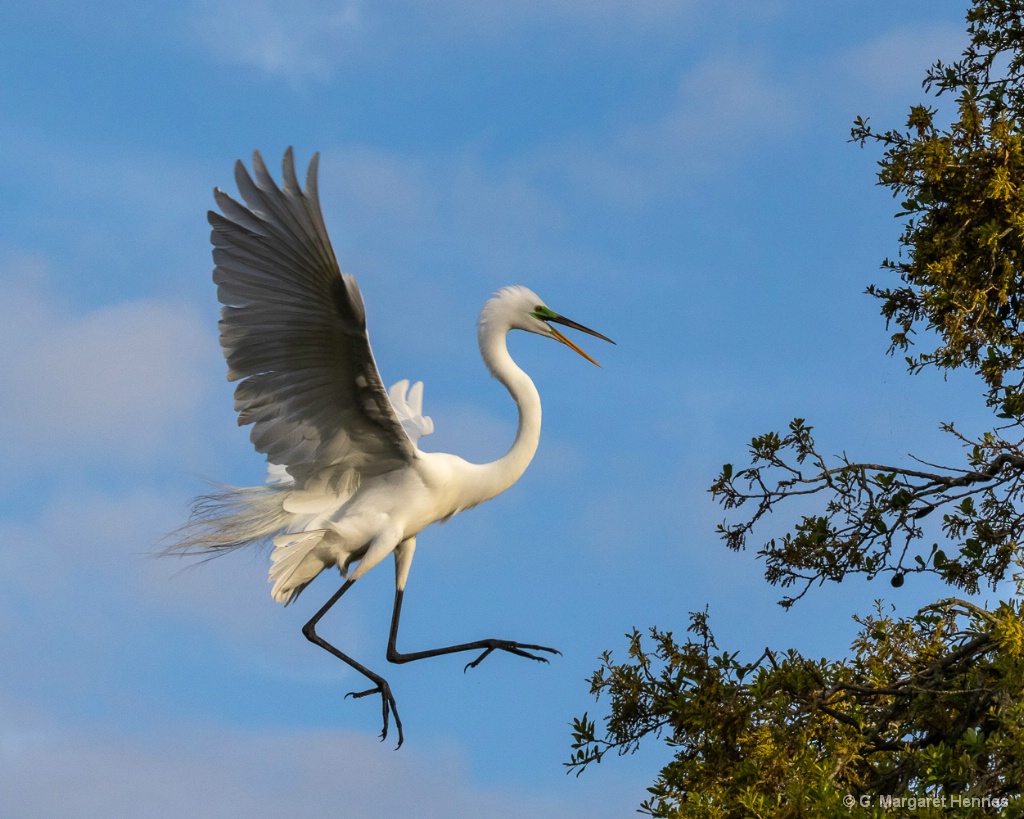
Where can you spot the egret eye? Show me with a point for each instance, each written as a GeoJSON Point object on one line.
{"type": "Point", "coordinates": [543, 313]}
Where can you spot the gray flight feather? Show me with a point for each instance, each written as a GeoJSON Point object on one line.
{"type": "Point", "coordinates": [293, 331]}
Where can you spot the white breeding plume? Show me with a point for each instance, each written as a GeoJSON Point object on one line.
{"type": "Point", "coordinates": [346, 483]}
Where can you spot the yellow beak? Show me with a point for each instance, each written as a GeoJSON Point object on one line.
{"type": "Point", "coordinates": [559, 337]}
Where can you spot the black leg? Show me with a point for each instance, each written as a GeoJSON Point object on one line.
{"type": "Point", "coordinates": [380, 684]}
{"type": "Point", "coordinates": [486, 646]}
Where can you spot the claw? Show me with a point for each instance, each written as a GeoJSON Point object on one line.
{"type": "Point", "coordinates": [388, 704]}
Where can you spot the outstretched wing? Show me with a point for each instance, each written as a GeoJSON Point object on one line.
{"type": "Point", "coordinates": [293, 331]}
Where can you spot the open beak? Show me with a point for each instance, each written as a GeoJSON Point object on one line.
{"type": "Point", "coordinates": [572, 346]}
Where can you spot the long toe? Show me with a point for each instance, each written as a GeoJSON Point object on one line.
{"type": "Point", "coordinates": [540, 648]}
{"type": "Point", "coordinates": [519, 649]}
{"type": "Point", "coordinates": [388, 704]}
{"type": "Point", "coordinates": [519, 652]}
{"type": "Point", "coordinates": [359, 694]}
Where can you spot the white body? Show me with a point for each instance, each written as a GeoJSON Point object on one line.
{"type": "Point", "coordinates": [347, 482]}
{"type": "Point", "coordinates": [386, 512]}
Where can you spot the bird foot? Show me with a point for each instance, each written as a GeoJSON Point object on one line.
{"type": "Point", "coordinates": [518, 649]}
{"type": "Point", "coordinates": [388, 706]}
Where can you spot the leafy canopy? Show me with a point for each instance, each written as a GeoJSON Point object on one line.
{"type": "Point", "coordinates": [927, 709]}
{"type": "Point", "coordinates": [963, 236]}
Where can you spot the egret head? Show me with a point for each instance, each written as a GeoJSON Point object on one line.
{"type": "Point", "coordinates": [520, 308]}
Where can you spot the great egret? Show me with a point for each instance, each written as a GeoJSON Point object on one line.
{"type": "Point", "coordinates": [347, 481]}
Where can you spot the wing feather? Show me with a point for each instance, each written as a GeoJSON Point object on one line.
{"type": "Point", "coordinates": [293, 332]}
{"type": "Point", "coordinates": [408, 404]}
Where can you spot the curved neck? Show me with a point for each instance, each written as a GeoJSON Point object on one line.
{"type": "Point", "coordinates": [497, 476]}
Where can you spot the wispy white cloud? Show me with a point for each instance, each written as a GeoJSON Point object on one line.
{"type": "Point", "coordinates": [113, 379]}
{"type": "Point", "coordinates": [483, 18]}
{"type": "Point", "coordinates": [299, 40]}
{"type": "Point", "coordinates": [309, 40]}
{"type": "Point", "coordinates": [400, 200]}
{"type": "Point", "coordinates": [510, 216]}
{"type": "Point", "coordinates": [896, 62]}
{"type": "Point", "coordinates": [408, 227]}
{"type": "Point", "coordinates": [232, 773]}
{"type": "Point", "coordinates": [722, 107]}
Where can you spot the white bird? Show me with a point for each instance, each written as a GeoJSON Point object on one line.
{"type": "Point", "coordinates": [347, 483]}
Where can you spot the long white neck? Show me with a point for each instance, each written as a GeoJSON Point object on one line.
{"type": "Point", "coordinates": [495, 477]}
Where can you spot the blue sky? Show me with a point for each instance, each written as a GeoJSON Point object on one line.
{"type": "Point", "coordinates": [674, 174]}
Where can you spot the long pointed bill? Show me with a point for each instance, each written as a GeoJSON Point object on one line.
{"type": "Point", "coordinates": [572, 346]}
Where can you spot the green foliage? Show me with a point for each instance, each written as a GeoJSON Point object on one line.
{"type": "Point", "coordinates": [926, 715]}
{"type": "Point", "coordinates": [873, 514]}
{"type": "Point", "coordinates": [963, 204]}
{"type": "Point", "coordinates": [929, 707]}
